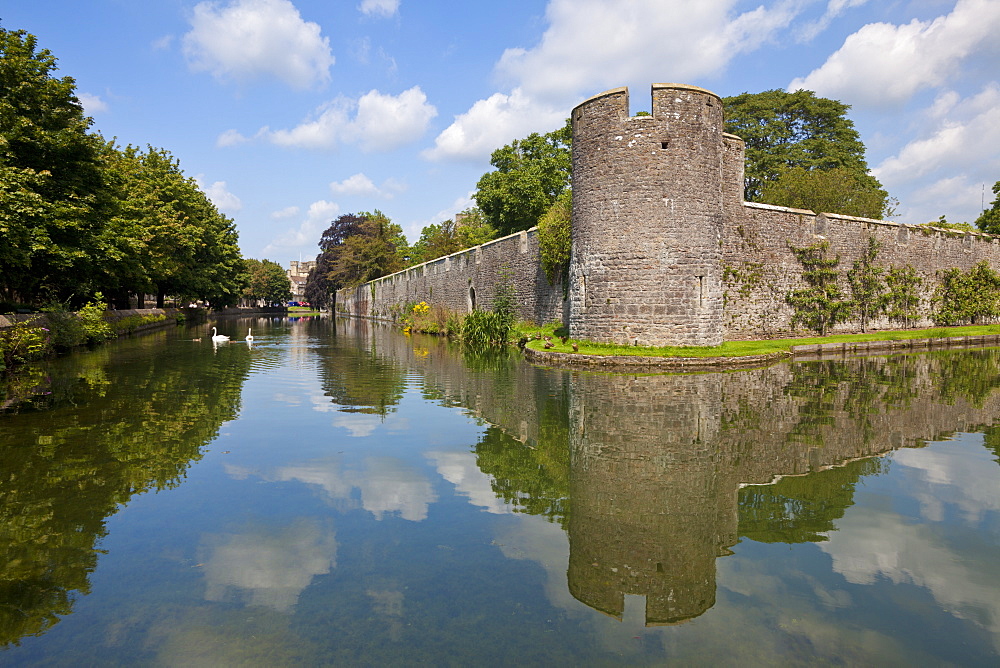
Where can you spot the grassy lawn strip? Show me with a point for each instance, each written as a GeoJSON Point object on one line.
{"type": "Point", "coordinates": [741, 348]}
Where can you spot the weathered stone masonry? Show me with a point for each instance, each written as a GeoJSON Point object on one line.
{"type": "Point", "coordinates": [665, 250]}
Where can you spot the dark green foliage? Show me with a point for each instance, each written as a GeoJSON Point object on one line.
{"type": "Point", "coordinates": [53, 197]}
{"type": "Point", "coordinates": [79, 215]}
{"type": "Point", "coordinates": [555, 237]}
{"type": "Point", "coordinates": [484, 328]}
{"type": "Point", "coordinates": [468, 229]}
{"type": "Point", "coordinates": [799, 131]}
{"type": "Point", "coordinates": [836, 190]}
{"type": "Point", "coordinates": [821, 305]}
{"type": "Point", "coordinates": [481, 329]}
{"type": "Point", "coordinates": [530, 174]}
{"type": "Point", "coordinates": [356, 248]}
{"type": "Point", "coordinates": [989, 221]}
{"type": "Point", "coordinates": [268, 283]}
{"type": "Point", "coordinates": [971, 297]}
{"type": "Point", "coordinates": [867, 288]}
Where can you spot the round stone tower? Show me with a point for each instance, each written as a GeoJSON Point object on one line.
{"type": "Point", "coordinates": [647, 219]}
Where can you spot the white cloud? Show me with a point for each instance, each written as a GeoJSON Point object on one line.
{"type": "Point", "coordinates": [287, 212]}
{"type": "Point", "coordinates": [953, 153]}
{"type": "Point", "coordinates": [230, 138]}
{"type": "Point", "coordinates": [884, 64]}
{"type": "Point", "coordinates": [593, 45]}
{"type": "Point", "coordinates": [602, 43]}
{"type": "Point", "coordinates": [878, 543]}
{"type": "Point", "coordinates": [390, 486]}
{"type": "Point", "coordinates": [247, 39]}
{"type": "Point", "coordinates": [92, 104]}
{"type": "Point", "coordinates": [267, 568]}
{"type": "Point", "coordinates": [361, 185]}
{"type": "Point", "coordinates": [379, 7]}
{"type": "Point", "coordinates": [380, 123]}
{"type": "Point", "coordinates": [491, 123]}
{"type": "Point", "coordinates": [224, 200]}
{"type": "Point", "coordinates": [460, 469]}
{"type": "Point", "coordinates": [304, 237]}
{"type": "Point", "coordinates": [384, 122]}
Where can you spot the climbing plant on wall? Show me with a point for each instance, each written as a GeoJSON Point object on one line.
{"type": "Point", "coordinates": [820, 305]}
{"type": "Point", "coordinates": [902, 298]}
{"type": "Point", "coordinates": [867, 287]}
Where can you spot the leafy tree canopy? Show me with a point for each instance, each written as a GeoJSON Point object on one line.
{"type": "Point", "coordinates": [530, 173]}
{"type": "Point", "coordinates": [356, 248]}
{"type": "Point", "coordinates": [268, 282]}
{"type": "Point", "coordinates": [785, 131]}
{"type": "Point", "coordinates": [79, 215]}
{"type": "Point", "coordinates": [989, 221]}
{"type": "Point", "coordinates": [555, 237]}
{"type": "Point", "coordinates": [836, 190]}
{"type": "Point", "coordinates": [52, 191]}
{"type": "Point", "coordinates": [469, 228]}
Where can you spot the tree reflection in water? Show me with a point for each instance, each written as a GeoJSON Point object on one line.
{"type": "Point", "coordinates": [115, 426]}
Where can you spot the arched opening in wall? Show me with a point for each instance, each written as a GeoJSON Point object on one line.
{"type": "Point", "coordinates": [472, 299]}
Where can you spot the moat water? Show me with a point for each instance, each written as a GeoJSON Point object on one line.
{"type": "Point", "coordinates": [342, 494]}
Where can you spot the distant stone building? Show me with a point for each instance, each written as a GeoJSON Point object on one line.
{"type": "Point", "coordinates": [297, 273]}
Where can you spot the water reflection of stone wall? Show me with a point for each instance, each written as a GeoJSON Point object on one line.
{"type": "Point", "coordinates": [657, 462]}
{"type": "Point", "coordinates": [645, 494]}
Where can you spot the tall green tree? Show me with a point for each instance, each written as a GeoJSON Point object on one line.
{"type": "Point", "coordinates": [184, 245]}
{"type": "Point", "coordinates": [377, 249]}
{"type": "Point", "coordinates": [529, 174]}
{"type": "Point", "coordinates": [319, 286]}
{"type": "Point", "coordinates": [785, 131]}
{"type": "Point", "coordinates": [355, 248]}
{"type": "Point", "coordinates": [970, 297]}
{"type": "Point", "coordinates": [268, 282]}
{"type": "Point", "coordinates": [903, 294]}
{"type": "Point", "coordinates": [52, 191]}
{"type": "Point", "coordinates": [469, 228]}
{"type": "Point", "coordinates": [836, 190]}
{"type": "Point", "coordinates": [989, 221]}
{"type": "Point", "coordinates": [555, 237]}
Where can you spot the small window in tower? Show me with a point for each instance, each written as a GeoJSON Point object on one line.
{"type": "Point", "coordinates": [664, 144]}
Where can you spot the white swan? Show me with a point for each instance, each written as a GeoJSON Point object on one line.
{"type": "Point", "coordinates": [218, 338]}
{"type": "Point", "coordinates": [249, 335]}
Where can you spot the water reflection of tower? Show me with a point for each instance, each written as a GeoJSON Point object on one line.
{"type": "Point", "coordinates": [647, 514]}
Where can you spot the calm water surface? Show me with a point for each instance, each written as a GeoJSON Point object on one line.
{"type": "Point", "coordinates": [352, 496]}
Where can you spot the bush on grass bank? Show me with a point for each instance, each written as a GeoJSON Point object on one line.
{"type": "Point", "coordinates": [58, 330]}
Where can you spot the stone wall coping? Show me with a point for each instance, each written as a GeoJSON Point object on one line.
{"type": "Point", "coordinates": [678, 86]}
{"type": "Point", "coordinates": [773, 207]}
{"type": "Point", "coordinates": [453, 255]}
{"type": "Point", "coordinates": [608, 93]}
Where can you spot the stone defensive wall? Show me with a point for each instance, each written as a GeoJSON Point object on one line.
{"type": "Point", "coordinates": [465, 281]}
{"type": "Point", "coordinates": [760, 268]}
{"type": "Point", "coordinates": [665, 251]}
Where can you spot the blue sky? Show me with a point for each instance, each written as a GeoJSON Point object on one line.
{"type": "Point", "coordinates": [291, 112]}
